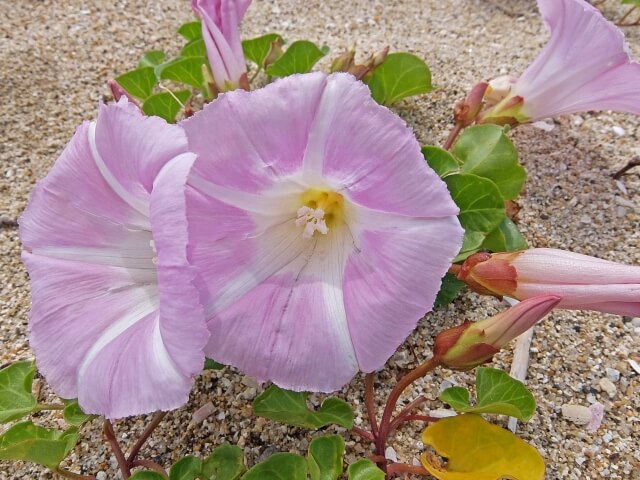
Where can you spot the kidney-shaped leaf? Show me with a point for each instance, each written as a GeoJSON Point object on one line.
{"type": "Point", "coordinates": [324, 458]}
{"type": "Point", "coordinates": [166, 104]}
{"type": "Point", "coordinates": [365, 470]}
{"type": "Point", "coordinates": [31, 443]}
{"type": "Point", "coordinates": [187, 468]}
{"type": "Point", "coordinates": [257, 49]}
{"type": "Point", "coordinates": [291, 408]}
{"type": "Point", "coordinates": [478, 450]}
{"type": "Point", "coordinates": [16, 397]}
{"type": "Point", "coordinates": [185, 70]}
{"type": "Point", "coordinates": [146, 475]}
{"type": "Point", "coordinates": [225, 463]}
{"type": "Point", "coordinates": [300, 57]}
{"type": "Point", "coordinates": [440, 160]}
{"type": "Point", "coordinates": [139, 82]}
{"type": "Point", "coordinates": [486, 151]}
{"type": "Point", "coordinates": [279, 466]}
{"type": "Point", "coordinates": [505, 238]}
{"type": "Point", "coordinates": [73, 414]}
{"type": "Point", "coordinates": [401, 75]}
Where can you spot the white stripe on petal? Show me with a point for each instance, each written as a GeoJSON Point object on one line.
{"type": "Point", "coordinates": [131, 200]}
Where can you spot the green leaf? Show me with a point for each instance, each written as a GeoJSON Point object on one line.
{"type": "Point", "coordinates": [365, 470]}
{"type": "Point", "coordinates": [440, 160]}
{"type": "Point", "coordinates": [28, 442]}
{"type": "Point", "coordinates": [457, 397]}
{"type": "Point", "coordinates": [401, 75]}
{"type": "Point", "coordinates": [481, 205]}
{"type": "Point", "coordinates": [324, 458]}
{"type": "Point", "coordinates": [187, 468]}
{"type": "Point", "coordinates": [449, 290]}
{"type": "Point", "coordinates": [152, 58]}
{"type": "Point", "coordinates": [257, 49]}
{"type": "Point", "coordinates": [631, 2]}
{"type": "Point", "coordinates": [497, 393]}
{"type": "Point", "coordinates": [505, 238]}
{"type": "Point", "coordinates": [195, 48]}
{"type": "Point", "coordinates": [279, 466]}
{"type": "Point", "coordinates": [185, 70]}
{"type": "Point", "coordinates": [300, 57]}
{"type": "Point", "coordinates": [210, 364]}
{"type": "Point", "coordinates": [139, 82]}
{"type": "Point", "coordinates": [16, 398]}
{"type": "Point", "coordinates": [164, 104]}
{"type": "Point", "coordinates": [486, 151]}
{"type": "Point", "coordinates": [191, 30]}
{"type": "Point", "coordinates": [225, 463]}
{"type": "Point", "coordinates": [146, 475]}
{"type": "Point", "coordinates": [471, 243]}
{"type": "Point", "coordinates": [291, 408]}
{"type": "Point", "coordinates": [74, 415]}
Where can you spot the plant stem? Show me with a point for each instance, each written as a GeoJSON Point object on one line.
{"type": "Point", "coordinates": [46, 406]}
{"type": "Point", "coordinates": [624, 17]}
{"type": "Point", "coordinates": [68, 474]}
{"type": "Point", "coordinates": [363, 433]}
{"type": "Point", "coordinates": [452, 136]}
{"type": "Point", "coordinates": [369, 402]}
{"type": "Point", "coordinates": [396, 468]}
{"type": "Point", "coordinates": [412, 406]}
{"type": "Point", "coordinates": [117, 451]}
{"type": "Point", "coordinates": [628, 166]}
{"type": "Point", "coordinates": [155, 421]}
{"type": "Point", "coordinates": [385, 424]}
{"type": "Point", "coordinates": [151, 465]}
{"type": "Point", "coordinates": [253, 77]}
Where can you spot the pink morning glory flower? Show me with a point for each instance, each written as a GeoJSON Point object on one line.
{"type": "Point", "coordinates": [220, 32]}
{"type": "Point", "coordinates": [112, 323]}
{"type": "Point", "coordinates": [584, 66]}
{"type": "Point", "coordinates": [320, 233]}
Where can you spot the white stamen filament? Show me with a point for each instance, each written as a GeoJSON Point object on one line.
{"type": "Point", "coordinates": [312, 220]}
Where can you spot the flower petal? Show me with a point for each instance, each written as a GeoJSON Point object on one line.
{"type": "Point", "coordinates": [97, 326]}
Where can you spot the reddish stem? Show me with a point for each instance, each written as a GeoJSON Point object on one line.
{"type": "Point", "coordinates": [452, 136]}
{"type": "Point", "coordinates": [117, 451]}
{"type": "Point", "coordinates": [151, 465]}
{"type": "Point", "coordinates": [155, 421]}
{"type": "Point", "coordinates": [412, 406]}
{"type": "Point", "coordinates": [627, 167]}
{"type": "Point", "coordinates": [370, 403]}
{"type": "Point", "coordinates": [396, 468]}
{"type": "Point", "coordinates": [363, 433]}
{"type": "Point", "coordinates": [401, 386]}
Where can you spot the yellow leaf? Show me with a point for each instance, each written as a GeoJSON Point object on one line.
{"type": "Point", "coordinates": [478, 450]}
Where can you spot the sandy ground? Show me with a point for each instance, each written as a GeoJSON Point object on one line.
{"type": "Point", "coordinates": [55, 59]}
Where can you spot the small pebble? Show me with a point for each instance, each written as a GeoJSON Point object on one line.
{"type": "Point", "coordinates": [390, 454]}
{"type": "Point", "coordinates": [577, 414]}
{"type": "Point", "coordinates": [442, 413]}
{"type": "Point", "coordinates": [619, 131]}
{"type": "Point", "coordinates": [597, 415]}
{"type": "Point", "coordinates": [607, 386]}
{"type": "Point", "coordinates": [635, 365]}
{"type": "Point", "coordinates": [101, 476]}
{"type": "Point", "coordinates": [612, 374]}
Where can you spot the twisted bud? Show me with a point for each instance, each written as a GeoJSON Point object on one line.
{"type": "Point", "coordinates": [474, 343]}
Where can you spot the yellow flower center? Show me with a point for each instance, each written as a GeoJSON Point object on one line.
{"type": "Point", "coordinates": [320, 211]}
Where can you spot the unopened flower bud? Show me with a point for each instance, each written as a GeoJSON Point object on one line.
{"type": "Point", "coordinates": [345, 61]}
{"type": "Point", "coordinates": [118, 92]}
{"type": "Point", "coordinates": [275, 52]}
{"type": "Point", "coordinates": [474, 343]}
{"type": "Point", "coordinates": [583, 282]}
{"type": "Point", "coordinates": [468, 109]}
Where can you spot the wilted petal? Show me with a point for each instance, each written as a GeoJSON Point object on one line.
{"type": "Point", "coordinates": [98, 327]}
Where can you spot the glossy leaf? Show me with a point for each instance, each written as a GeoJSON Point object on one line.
{"type": "Point", "coordinates": [16, 397]}
{"type": "Point", "coordinates": [364, 470]}
{"type": "Point", "coordinates": [440, 160]}
{"type": "Point", "coordinates": [74, 415]}
{"type": "Point", "coordinates": [195, 48]}
{"type": "Point", "coordinates": [146, 475]}
{"type": "Point", "coordinates": [185, 70]}
{"type": "Point", "coordinates": [505, 238]}
{"type": "Point", "coordinates": [486, 151]}
{"type": "Point", "coordinates": [226, 462]}
{"type": "Point", "coordinates": [481, 205]}
{"type": "Point", "coordinates": [300, 57]}
{"type": "Point", "coordinates": [291, 408]}
{"type": "Point", "coordinates": [138, 83]}
{"type": "Point", "coordinates": [257, 49]}
{"type": "Point", "coordinates": [187, 468]}
{"type": "Point", "coordinates": [31, 443]}
{"type": "Point", "coordinates": [324, 458]}
{"type": "Point", "coordinates": [165, 104]}
{"type": "Point", "coordinates": [631, 2]}
{"type": "Point", "coordinates": [401, 75]}
{"type": "Point", "coordinates": [477, 450]}
{"type": "Point", "coordinates": [497, 393]}
{"type": "Point", "coordinates": [210, 364]}
{"type": "Point", "coordinates": [471, 243]}
{"type": "Point", "coordinates": [279, 466]}
{"type": "Point", "coordinates": [152, 58]}
{"type": "Point", "coordinates": [191, 30]}
{"type": "Point", "coordinates": [449, 290]}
